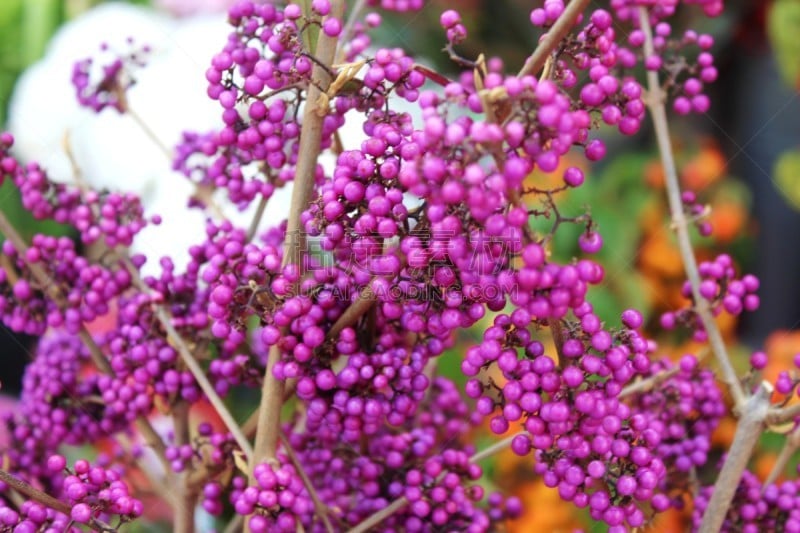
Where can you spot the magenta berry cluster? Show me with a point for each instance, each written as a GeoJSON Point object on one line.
{"type": "Point", "coordinates": [721, 290]}
{"type": "Point", "coordinates": [98, 86]}
{"type": "Point", "coordinates": [95, 494]}
{"type": "Point", "coordinates": [434, 223]}
{"type": "Point", "coordinates": [756, 507]}
{"type": "Point", "coordinates": [279, 498]}
{"type": "Point", "coordinates": [113, 217]}
{"type": "Point", "coordinates": [94, 491]}
{"type": "Point", "coordinates": [696, 212]}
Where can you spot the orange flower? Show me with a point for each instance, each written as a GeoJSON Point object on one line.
{"type": "Point", "coordinates": [704, 169]}
{"type": "Point", "coordinates": [660, 256]}
{"type": "Point", "coordinates": [543, 510]}
{"type": "Point", "coordinates": [728, 220]}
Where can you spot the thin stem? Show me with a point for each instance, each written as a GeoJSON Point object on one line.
{"type": "Point", "coordinates": [156, 483]}
{"type": "Point", "coordinates": [45, 499]}
{"type": "Point", "coordinates": [554, 36]}
{"type": "Point", "coordinates": [549, 67]}
{"type": "Point", "coordinates": [147, 130]}
{"type": "Point", "coordinates": [655, 102]}
{"type": "Point", "coordinates": [48, 286]}
{"type": "Point", "coordinates": [647, 384]}
{"type": "Point", "coordinates": [349, 28]}
{"type": "Point", "coordinates": [266, 441]}
{"type": "Point", "coordinates": [365, 300]}
{"type": "Point", "coordinates": [783, 415]}
{"type": "Point", "coordinates": [16, 498]}
{"type": "Point", "coordinates": [791, 445]}
{"type": "Point", "coordinates": [253, 229]}
{"type": "Point", "coordinates": [77, 174]}
{"type": "Point", "coordinates": [319, 507]}
{"type": "Point", "coordinates": [154, 440]}
{"type": "Point", "coordinates": [363, 303]}
{"type": "Point", "coordinates": [202, 192]}
{"type": "Point", "coordinates": [250, 424]}
{"type": "Point", "coordinates": [378, 517]}
{"type": "Point", "coordinates": [748, 431]}
{"type": "Point", "coordinates": [183, 521]}
{"type": "Point", "coordinates": [375, 519]}
{"type": "Point", "coordinates": [495, 448]}
{"type": "Point", "coordinates": [95, 353]}
{"type": "Point", "coordinates": [179, 343]}
{"type": "Point", "coordinates": [199, 374]}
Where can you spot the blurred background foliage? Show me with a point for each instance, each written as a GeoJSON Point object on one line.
{"type": "Point", "coordinates": [754, 218]}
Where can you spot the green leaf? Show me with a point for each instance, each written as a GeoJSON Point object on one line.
{"type": "Point", "coordinates": [787, 176]}
{"type": "Point", "coordinates": [783, 27]}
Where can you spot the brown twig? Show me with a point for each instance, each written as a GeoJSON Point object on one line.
{"type": "Point", "coordinates": [199, 374]}
{"type": "Point", "coordinates": [202, 193]}
{"type": "Point", "coordinates": [649, 383]}
{"type": "Point", "coordinates": [554, 36]}
{"type": "Point", "coordinates": [253, 229]}
{"type": "Point", "coordinates": [791, 446]}
{"type": "Point", "coordinates": [378, 517]}
{"type": "Point", "coordinates": [363, 303]}
{"type": "Point", "coordinates": [319, 507]}
{"type": "Point", "coordinates": [753, 409]}
{"type": "Point", "coordinates": [783, 415]}
{"type": "Point", "coordinates": [156, 482]}
{"type": "Point", "coordinates": [349, 27]}
{"type": "Point", "coordinates": [655, 102]}
{"type": "Point", "coordinates": [557, 333]}
{"type": "Point", "coordinates": [48, 501]}
{"type": "Point", "coordinates": [266, 441]}
{"type": "Point", "coordinates": [748, 431]}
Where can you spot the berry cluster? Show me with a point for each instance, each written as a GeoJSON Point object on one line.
{"type": "Point", "coordinates": [755, 507]}
{"type": "Point", "coordinates": [95, 492]}
{"type": "Point", "coordinates": [100, 86]}
{"type": "Point", "coordinates": [588, 443]}
{"type": "Point", "coordinates": [258, 80]}
{"type": "Point", "coordinates": [722, 290]}
{"type": "Point", "coordinates": [114, 218]}
{"type": "Point", "coordinates": [419, 232]}
{"type": "Point", "coordinates": [397, 5]}
{"type": "Point", "coordinates": [32, 516]}
{"type": "Point", "coordinates": [423, 459]}
{"type": "Point", "coordinates": [280, 498]}
{"type": "Point", "coordinates": [71, 291]}
{"type": "Point", "coordinates": [688, 405]}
